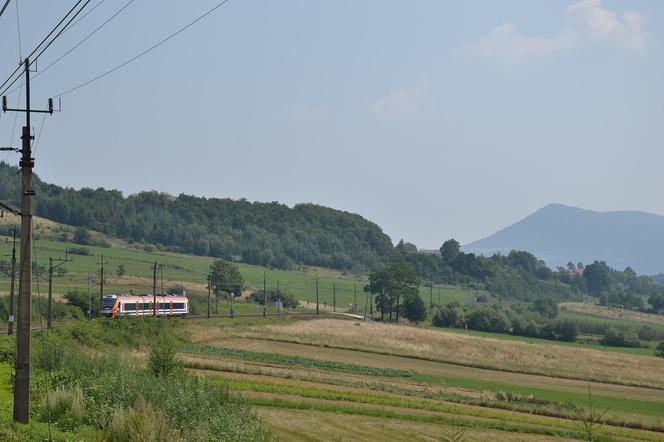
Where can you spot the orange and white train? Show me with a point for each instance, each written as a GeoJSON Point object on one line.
{"type": "Point", "coordinates": [114, 306]}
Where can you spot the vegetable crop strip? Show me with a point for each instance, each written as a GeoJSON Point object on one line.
{"type": "Point", "coordinates": [295, 361]}
{"type": "Point", "coordinates": [568, 430]}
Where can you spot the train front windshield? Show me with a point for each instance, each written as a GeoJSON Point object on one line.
{"type": "Point", "coordinates": [107, 303]}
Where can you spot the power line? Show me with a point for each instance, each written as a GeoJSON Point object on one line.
{"type": "Point", "coordinates": [85, 39]}
{"type": "Point", "coordinates": [84, 15]}
{"type": "Point", "coordinates": [18, 28]}
{"type": "Point", "coordinates": [20, 66]}
{"type": "Point", "coordinates": [151, 48]}
{"type": "Point", "coordinates": [80, 42]}
{"type": "Point", "coordinates": [41, 128]}
{"type": "Point", "coordinates": [2, 11]}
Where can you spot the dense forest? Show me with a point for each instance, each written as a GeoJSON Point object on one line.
{"type": "Point", "coordinates": [269, 234]}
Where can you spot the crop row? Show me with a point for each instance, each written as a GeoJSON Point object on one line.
{"type": "Point", "coordinates": [287, 360]}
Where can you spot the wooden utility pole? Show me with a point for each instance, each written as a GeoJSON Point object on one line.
{"type": "Point", "coordinates": [51, 267]}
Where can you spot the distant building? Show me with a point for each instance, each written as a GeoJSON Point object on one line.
{"type": "Point", "coordinates": [575, 271]}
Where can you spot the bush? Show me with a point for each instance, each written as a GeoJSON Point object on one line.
{"type": "Point", "coordinates": [83, 251]}
{"type": "Point", "coordinates": [196, 409]}
{"type": "Point", "coordinates": [163, 359]}
{"type": "Point", "coordinates": [449, 316]}
{"type": "Point", "coordinates": [489, 320]}
{"type": "Point", "coordinates": [140, 423]}
{"type": "Point", "coordinates": [78, 298]}
{"type": "Point", "coordinates": [273, 295]}
{"type": "Point", "coordinates": [619, 338]}
{"type": "Point", "coordinates": [82, 236]}
{"type": "Point", "coordinates": [659, 350]}
{"type": "Point", "coordinates": [64, 406]}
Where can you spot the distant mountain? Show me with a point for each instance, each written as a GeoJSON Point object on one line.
{"type": "Point", "coordinates": [559, 234]}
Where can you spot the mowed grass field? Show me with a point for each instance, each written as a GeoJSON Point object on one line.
{"type": "Point", "coordinates": [334, 379]}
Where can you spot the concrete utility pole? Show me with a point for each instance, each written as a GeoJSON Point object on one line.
{"type": "Point", "coordinates": [23, 326]}
{"type": "Point", "coordinates": [89, 296]}
{"type": "Point", "coordinates": [154, 289]}
{"type": "Point", "coordinates": [12, 276]}
{"type": "Point", "coordinates": [264, 295]}
{"type": "Point", "coordinates": [51, 267]}
{"type": "Point", "coordinates": [102, 277]}
{"type": "Point", "coordinates": [431, 293]}
{"type": "Point", "coordinates": [354, 298]}
{"type": "Point", "coordinates": [334, 298]}
{"type": "Point", "coordinates": [317, 303]}
{"type": "Point", "coordinates": [209, 294]}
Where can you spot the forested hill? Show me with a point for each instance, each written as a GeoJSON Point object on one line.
{"type": "Point", "coordinates": [269, 234]}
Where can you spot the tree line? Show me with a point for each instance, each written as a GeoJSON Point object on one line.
{"type": "Point", "coordinates": [268, 234]}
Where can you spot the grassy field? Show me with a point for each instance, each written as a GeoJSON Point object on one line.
{"type": "Point", "coordinates": [604, 312]}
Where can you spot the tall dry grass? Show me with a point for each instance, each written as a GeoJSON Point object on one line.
{"type": "Point", "coordinates": [514, 356]}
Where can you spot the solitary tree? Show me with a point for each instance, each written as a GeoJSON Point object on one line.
{"type": "Point", "coordinates": [449, 250]}
{"type": "Point", "coordinates": [120, 270]}
{"type": "Point", "coordinates": [226, 278]}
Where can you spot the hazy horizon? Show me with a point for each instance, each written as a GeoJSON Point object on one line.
{"type": "Point", "coordinates": [432, 119]}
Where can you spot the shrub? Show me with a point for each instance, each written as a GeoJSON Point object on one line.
{"type": "Point", "coordinates": [78, 298]}
{"type": "Point", "coordinates": [140, 423]}
{"type": "Point", "coordinates": [619, 338]}
{"type": "Point", "coordinates": [273, 295]}
{"type": "Point", "coordinates": [82, 236]}
{"type": "Point", "coordinates": [163, 359]}
{"type": "Point", "coordinates": [659, 350]}
{"type": "Point", "coordinates": [64, 406]}
{"type": "Point", "coordinates": [566, 330]}
{"type": "Point", "coordinates": [83, 251]}
{"type": "Point", "coordinates": [488, 319]}
{"type": "Point", "coordinates": [449, 316]}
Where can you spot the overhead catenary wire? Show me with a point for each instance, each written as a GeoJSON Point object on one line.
{"type": "Point", "coordinates": [145, 52]}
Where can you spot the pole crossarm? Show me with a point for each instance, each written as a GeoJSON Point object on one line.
{"type": "Point", "coordinates": [9, 209]}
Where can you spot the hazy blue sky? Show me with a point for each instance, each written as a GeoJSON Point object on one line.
{"type": "Point", "coordinates": [435, 119]}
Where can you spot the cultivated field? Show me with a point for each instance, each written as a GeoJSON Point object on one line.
{"type": "Point", "coordinates": [333, 379]}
